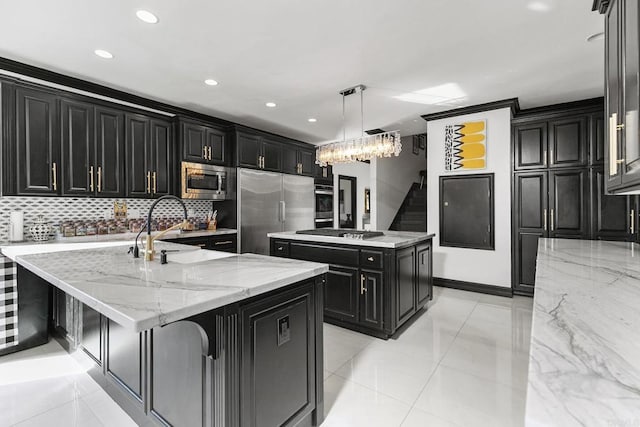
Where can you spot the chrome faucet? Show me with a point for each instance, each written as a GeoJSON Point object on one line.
{"type": "Point", "coordinates": [149, 253]}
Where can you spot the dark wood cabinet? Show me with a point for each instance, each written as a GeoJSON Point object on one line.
{"type": "Point", "coordinates": [216, 242]}
{"type": "Point", "coordinates": [248, 150]}
{"type": "Point", "coordinates": [92, 147]}
{"type": "Point", "coordinates": [368, 289]}
{"type": "Point", "coordinates": [323, 174]}
{"type": "Point", "coordinates": [370, 309]}
{"type": "Point", "coordinates": [613, 217]}
{"type": "Point", "coordinates": [342, 293]}
{"type": "Point", "coordinates": [424, 275]}
{"type": "Point", "coordinates": [405, 277]}
{"type": "Point", "coordinates": [37, 138]}
{"type": "Point", "coordinates": [597, 138]}
{"type": "Point", "coordinates": [569, 203]}
{"type": "Point", "coordinates": [622, 94]}
{"type": "Point", "coordinates": [290, 161]}
{"type": "Point", "coordinates": [78, 148]}
{"type": "Point", "coordinates": [110, 152]}
{"type": "Point", "coordinates": [149, 156]}
{"type": "Point", "coordinates": [568, 142]}
{"type": "Point", "coordinates": [271, 155]}
{"type": "Point", "coordinates": [203, 144]}
{"type": "Point", "coordinates": [297, 160]}
{"type": "Point", "coordinates": [530, 146]}
{"type": "Point", "coordinates": [307, 159]}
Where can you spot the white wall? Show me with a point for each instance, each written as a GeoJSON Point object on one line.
{"type": "Point", "coordinates": [474, 265]}
{"type": "Point", "coordinates": [393, 178]}
{"type": "Point", "coordinates": [362, 172]}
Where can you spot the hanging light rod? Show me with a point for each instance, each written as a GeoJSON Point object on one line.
{"type": "Point", "coordinates": [352, 90]}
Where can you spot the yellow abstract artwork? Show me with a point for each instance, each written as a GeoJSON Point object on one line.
{"type": "Point", "coordinates": [465, 146]}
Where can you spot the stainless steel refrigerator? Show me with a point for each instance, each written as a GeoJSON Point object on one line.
{"type": "Point", "coordinates": [270, 202]}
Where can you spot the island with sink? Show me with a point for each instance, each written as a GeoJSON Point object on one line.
{"type": "Point", "coordinates": [209, 338]}
{"type": "Point", "coordinates": [376, 282]}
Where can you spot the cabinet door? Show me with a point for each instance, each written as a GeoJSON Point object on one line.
{"type": "Point", "coordinates": [568, 203]}
{"type": "Point", "coordinates": [568, 142]}
{"type": "Point", "coordinates": [124, 357]}
{"type": "Point", "coordinates": [370, 312]}
{"type": "Point", "coordinates": [307, 159]}
{"type": "Point", "coordinates": [138, 156]}
{"type": "Point", "coordinates": [216, 142]}
{"type": "Point", "coordinates": [92, 332]}
{"type": "Point", "coordinates": [597, 139]}
{"type": "Point", "coordinates": [110, 152]}
{"type": "Point", "coordinates": [78, 148]}
{"type": "Point", "coordinates": [248, 150]}
{"type": "Point", "coordinates": [162, 167]}
{"type": "Point", "coordinates": [631, 88]}
{"type": "Point", "coordinates": [272, 153]}
{"type": "Point", "coordinates": [530, 222]}
{"type": "Point", "coordinates": [530, 146]}
{"type": "Point", "coordinates": [405, 285]}
{"type": "Point", "coordinates": [289, 159]}
{"type": "Point", "coordinates": [424, 274]}
{"type": "Point", "coordinates": [341, 293]}
{"type": "Point", "coordinates": [612, 216]}
{"type": "Point", "coordinates": [613, 88]}
{"type": "Point", "coordinates": [38, 143]}
{"type": "Point", "coordinates": [194, 142]}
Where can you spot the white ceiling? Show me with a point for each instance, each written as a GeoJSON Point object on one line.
{"type": "Point", "coordinates": [300, 54]}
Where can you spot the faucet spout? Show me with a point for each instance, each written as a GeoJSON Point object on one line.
{"type": "Point", "coordinates": [149, 252]}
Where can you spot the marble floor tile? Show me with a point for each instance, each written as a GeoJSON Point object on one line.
{"type": "Point", "coordinates": [350, 404]}
{"type": "Point", "coordinates": [72, 414]}
{"type": "Point", "coordinates": [476, 357]}
{"type": "Point", "coordinates": [510, 335]}
{"type": "Point", "coordinates": [396, 374]}
{"type": "Point", "coordinates": [419, 418]}
{"type": "Point", "coordinates": [106, 410]}
{"type": "Point", "coordinates": [467, 400]}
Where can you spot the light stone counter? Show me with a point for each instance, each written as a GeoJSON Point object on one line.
{"type": "Point", "coordinates": [391, 239]}
{"type": "Point", "coordinates": [140, 295]}
{"type": "Point", "coordinates": [584, 366]}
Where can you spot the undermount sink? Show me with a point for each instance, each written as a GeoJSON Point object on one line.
{"type": "Point", "coordinates": [191, 257]}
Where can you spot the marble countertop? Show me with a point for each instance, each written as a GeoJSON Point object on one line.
{"type": "Point", "coordinates": [584, 365]}
{"type": "Point", "coordinates": [140, 294]}
{"type": "Point", "coordinates": [391, 239]}
{"type": "Point", "coordinates": [11, 250]}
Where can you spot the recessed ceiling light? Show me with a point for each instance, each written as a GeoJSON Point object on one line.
{"type": "Point", "coordinates": [312, 120]}
{"type": "Point", "coordinates": [595, 37]}
{"type": "Point", "coordinates": [103, 54]}
{"type": "Point", "coordinates": [270, 104]}
{"type": "Point", "coordinates": [211, 82]}
{"type": "Point", "coordinates": [540, 5]}
{"type": "Point", "coordinates": [146, 16]}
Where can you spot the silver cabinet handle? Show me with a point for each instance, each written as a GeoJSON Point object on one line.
{"type": "Point", "coordinates": [362, 288]}
{"type": "Point", "coordinates": [370, 259]}
{"type": "Point", "coordinates": [633, 220]}
{"type": "Point", "coordinates": [225, 242]}
{"type": "Point", "coordinates": [281, 248]}
{"type": "Point", "coordinates": [209, 149]}
{"type": "Point", "coordinates": [544, 157]}
{"type": "Point", "coordinates": [149, 182]}
{"type": "Point", "coordinates": [204, 152]}
{"type": "Point", "coordinates": [613, 145]}
{"type": "Point", "coordinates": [91, 178]}
{"type": "Point", "coordinates": [99, 179]}
{"type": "Point", "coordinates": [551, 219]}
{"type": "Point", "coordinates": [544, 215]}
{"type": "Point", "coordinates": [155, 181]}
{"type": "Point", "coordinates": [551, 156]}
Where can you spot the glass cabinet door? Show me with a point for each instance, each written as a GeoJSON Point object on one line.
{"type": "Point", "coordinates": [631, 172]}
{"type": "Point", "coordinates": [612, 64]}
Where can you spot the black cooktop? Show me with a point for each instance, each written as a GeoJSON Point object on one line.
{"type": "Point", "coordinates": [342, 232]}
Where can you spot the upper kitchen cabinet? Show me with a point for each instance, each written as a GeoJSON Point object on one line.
{"type": "Point", "coordinates": [255, 151]}
{"type": "Point", "coordinates": [149, 156]}
{"type": "Point", "coordinates": [203, 144]}
{"type": "Point", "coordinates": [323, 174]}
{"type": "Point", "coordinates": [32, 163]}
{"type": "Point", "coordinates": [92, 149]}
{"type": "Point", "coordinates": [298, 160]}
{"type": "Point", "coordinates": [622, 156]}
{"type": "Point", "coordinates": [557, 143]}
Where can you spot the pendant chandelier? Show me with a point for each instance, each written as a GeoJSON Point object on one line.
{"type": "Point", "coordinates": [365, 147]}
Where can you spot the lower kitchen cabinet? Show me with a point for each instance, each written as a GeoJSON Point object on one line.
{"type": "Point", "coordinates": [369, 289]}
{"type": "Point", "coordinates": [216, 242]}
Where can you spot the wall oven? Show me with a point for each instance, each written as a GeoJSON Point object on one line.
{"type": "Point", "coordinates": [204, 182]}
{"type": "Point", "coordinates": [324, 206]}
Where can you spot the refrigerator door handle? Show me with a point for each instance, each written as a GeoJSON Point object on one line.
{"type": "Point", "coordinates": [283, 208]}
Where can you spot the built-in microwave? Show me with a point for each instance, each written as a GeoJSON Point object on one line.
{"type": "Point", "coordinates": [204, 182]}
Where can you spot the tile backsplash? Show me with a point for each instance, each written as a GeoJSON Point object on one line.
{"type": "Point", "coordinates": [56, 209]}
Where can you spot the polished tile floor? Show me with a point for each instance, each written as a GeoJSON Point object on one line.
{"type": "Point", "coordinates": [463, 362]}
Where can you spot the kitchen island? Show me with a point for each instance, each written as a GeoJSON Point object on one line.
{"type": "Point", "coordinates": [376, 282]}
{"type": "Point", "coordinates": [584, 363]}
{"type": "Point", "coordinates": [210, 338]}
